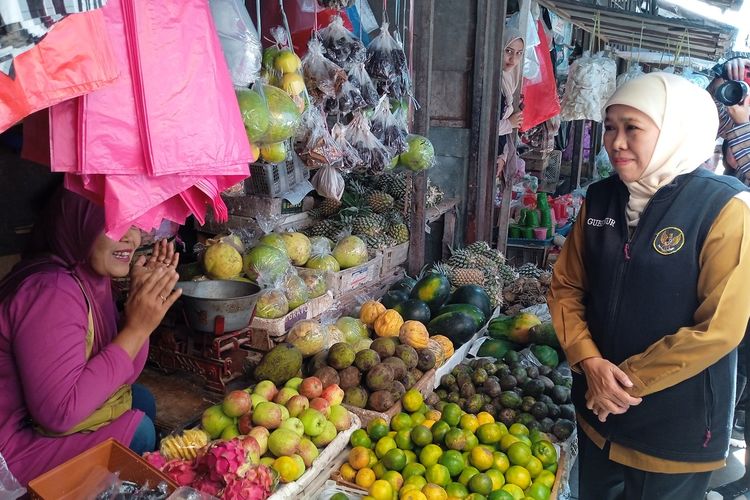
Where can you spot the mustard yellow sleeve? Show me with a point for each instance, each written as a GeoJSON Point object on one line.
{"type": "Point", "coordinates": [566, 298]}
{"type": "Point", "coordinates": [721, 317]}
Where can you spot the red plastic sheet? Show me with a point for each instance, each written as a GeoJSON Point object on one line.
{"type": "Point", "coordinates": [540, 96]}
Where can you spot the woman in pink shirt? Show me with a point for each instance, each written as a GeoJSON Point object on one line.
{"type": "Point", "coordinates": [64, 360]}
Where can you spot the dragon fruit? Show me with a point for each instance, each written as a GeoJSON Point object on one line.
{"type": "Point", "coordinates": [181, 471]}
{"type": "Point", "coordinates": [256, 485]}
{"type": "Point", "coordinates": [205, 485]}
{"type": "Point", "coordinates": [156, 459]}
{"type": "Point", "coordinates": [225, 460]}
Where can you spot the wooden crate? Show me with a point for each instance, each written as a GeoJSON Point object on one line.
{"type": "Point", "coordinates": [354, 278]}
{"type": "Point", "coordinates": [423, 385]}
{"type": "Point", "coordinates": [308, 310]}
{"type": "Point", "coordinates": [252, 205]}
{"type": "Point", "coordinates": [394, 257]}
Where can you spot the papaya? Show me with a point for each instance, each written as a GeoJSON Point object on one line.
{"type": "Point", "coordinates": [495, 348]}
{"type": "Point", "coordinates": [432, 289]}
{"type": "Point", "coordinates": [544, 334]}
{"type": "Point", "coordinates": [514, 329]}
{"type": "Point", "coordinates": [475, 295]}
{"type": "Point", "coordinates": [456, 326]}
{"type": "Point", "coordinates": [469, 309]}
{"type": "Point", "coordinates": [415, 310]}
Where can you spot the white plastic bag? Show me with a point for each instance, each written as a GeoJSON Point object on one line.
{"type": "Point", "coordinates": [591, 81]}
{"type": "Point", "coordinates": [632, 73]}
{"type": "Point", "coordinates": [329, 183]}
{"type": "Point", "coordinates": [10, 488]}
{"type": "Point", "coordinates": [341, 46]}
{"type": "Point", "coordinates": [239, 40]}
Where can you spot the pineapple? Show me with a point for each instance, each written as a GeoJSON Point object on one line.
{"type": "Point", "coordinates": [459, 277]}
{"type": "Point", "coordinates": [395, 185]}
{"type": "Point", "coordinates": [494, 288]}
{"type": "Point", "coordinates": [399, 232]}
{"type": "Point", "coordinates": [478, 247]}
{"type": "Point", "coordinates": [380, 201]}
{"type": "Point", "coordinates": [460, 258]}
{"type": "Point", "coordinates": [494, 255]}
{"type": "Point", "coordinates": [368, 225]}
{"type": "Point", "coordinates": [507, 274]}
{"type": "Point", "coordinates": [529, 270]}
{"type": "Point", "coordinates": [327, 208]}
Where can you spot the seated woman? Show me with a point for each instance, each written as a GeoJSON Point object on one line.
{"type": "Point", "coordinates": [66, 369]}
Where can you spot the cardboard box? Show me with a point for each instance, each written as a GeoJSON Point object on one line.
{"type": "Point", "coordinates": [75, 479]}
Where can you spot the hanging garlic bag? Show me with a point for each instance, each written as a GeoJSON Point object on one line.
{"type": "Point", "coordinates": [386, 65]}
{"type": "Point", "coordinates": [373, 153]}
{"type": "Point", "coordinates": [360, 79]}
{"type": "Point", "coordinates": [323, 78]}
{"type": "Point", "coordinates": [340, 45]}
{"type": "Point", "coordinates": [387, 128]}
{"type": "Point", "coordinates": [591, 82]}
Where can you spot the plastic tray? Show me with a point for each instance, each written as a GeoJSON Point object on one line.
{"type": "Point", "coordinates": [275, 179]}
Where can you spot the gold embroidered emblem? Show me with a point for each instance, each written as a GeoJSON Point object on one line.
{"type": "Point", "coordinates": [669, 240]}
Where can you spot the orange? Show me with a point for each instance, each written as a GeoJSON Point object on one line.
{"type": "Point", "coordinates": [428, 423]}
{"type": "Point", "coordinates": [348, 472]}
{"type": "Point", "coordinates": [439, 430]}
{"type": "Point", "coordinates": [552, 468]}
{"type": "Point", "coordinates": [500, 495]}
{"type": "Point", "coordinates": [385, 444]}
{"type": "Point", "coordinates": [417, 418]}
{"type": "Point", "coordinates": [403, 439]}
{"type": "Point", "coordinates": [416, 481]}
{"type": "Point", "coordinates": [360, 438]}
{"type": "Point", "coordinates": [373, 458]}
{"type": "Point", "coordinates": [379, 470]}
{"type": "Point", "coordinates": [288, 469]}
{"type": "Point", "coordinates": [413, 470]}
{"type": "Point", "coordinates": [456, 490]}
{"type": "Point", "coordinates": [534, 466]}
{"type": "Point", "coordinates": [438, 474]}
{"type": "Point", "coordinates": [455, 439]}
{"type": "Point", "coordinates": [500, 461]}
{"type": "Point", "coordinates": [434, 492]}
{"type": "Point", "coordinates": [377, 428]}
{"type": "Point", "coordinates": [498, 480]}
{"type": "Point", "coordinates": [365, 478]}
{"type": "Point", "coordinates": [519, 476]}
{"type": "Point", "coordinates": [468, 422]}
{"type": "Point", "coordinates": [481, 458]}
{"type": "Point", "coordinates": [394, 460]}
{"type": "Point", "coordinates": [489, 433]}
{"type": "Point", "coordinates": [524, 439]}
{"type": "Point", "coordinates": [476, 496]}
{"type": "Point", "coordinates": [412, 400]}
{"type": "Point", "coordinates": [359, 457]}
{"type": "Point", "coordinates": [395, 479]}
{"type": "Point", "coordinates": [401, 421]}
{"type": "Point", "coordinates": [514, 490]}
{"type": "Point", "coordinates": [286, 61]}
{"type": "Point", "coordinates": [538, 491]}
{"type": "Point", "coordinates": [432, 415]}
{"type": "Point", "coordinates": [519, 454]}
{"type": "Point", "coordinates": [381, 490]}
{"type": "Point", "coordinates": [430, 455]}
{"type": "Point", "coordinates": [467, 474]}
{"type": "Point", "coordinates": [545, 452]}
{"type": "Point", "coordinates": [421, 435]}
{"type": "Point", "coordinates": [519, 428]}
{"type": "Point", "coordinates": [412, 494]}
{"type": "Point", "coordinates": [480, 483]}
{"type": "Point", "coordinates": [471, 441]}
{"type": "Point", "coordinates": [546, 478]}
{"type": "Point", "coordinates": [451, 414]}
{"type": "Point", "coordinates": [537, 435]}
{"type": "Point", "coordinates": [485, 418]}
{"type": "Point", "coordinates": [411, 457]}
{"type": "Point", "coordinates": [453, 461]}
{"type": "Point", "coordinates": [508, 440]}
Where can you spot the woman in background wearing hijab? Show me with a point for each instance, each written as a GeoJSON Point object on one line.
{"type": "Point", "coordinates": [66, 368]}
{"type": "Point", "coordinates": [510, 119]}
{"type": "Point", "coordinates": [649, 300]}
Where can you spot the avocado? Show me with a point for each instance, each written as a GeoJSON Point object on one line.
{"type": "Point", "coordinates": [532, 372]}
{"type": "Point", "coordinates": [533, 387]}
{"type": "Point", "coordinates": [453, 397]}
{"type": "Point", "coordinates": [510, 399]}
{"type": "Point", "coordinates": [492, 387]}
{"type": "Point", "coordinates": [553, 410]}
{"type": "Point", "coordinates": [556, 377]}
{"type": "Point", "coordinates": [467, 390]}
{"type": "Point", "coordinates": [489, 367]}
{"type": "Point", "coordinates": [548, 384]}
{"type": "Point", "coordinates": [474, 404]}
{"type": "Point", "coordinates": [535, 425]}
{"type": "Point", "coordinates": [563, 428]}
{"type": "Point", "coordinates": [279, 364]}
{"type": "Point", "coordinates": [508, 382]}
{"type": "Point", "coordinates": [507, 416]}
{"type": "Point", "coordinates": [490, 408]}
{"type": "Point", "coordinates": [520, 374]}
{"type": "Point", "coordinates": [544, 398]}
{"type": "Point", "coordinates": [527, 402]}
{"type": "Point", "coordinates": [525, 418]}
{"type": "Point", "coordinates": [447, 380]}
{"type": "Point", "coordinates": [479, 376]}
{"type": "Point", "coordinates": [463, 378]}
{"type": "Point", "coordinates": [539, 410]}
{"type": "Point", "coordinates": [544, 370]}
{"type": "Point", "coordinates": [441, 393]}
{"type": "Point", "coordinates": [502, 369]}
{"type": "Point", "coordinates": [547, 424]}
{"type": "Point", "coordinates": [568, 412]}
{"type": "Point", "coordinates": [560, 394]}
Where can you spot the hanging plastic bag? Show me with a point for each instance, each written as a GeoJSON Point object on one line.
{"type": "Point", "coordinates": [603, 165]}
{"type": "Point", "coordinates": [329, 183]}
{"type": "Point", "coordinates": [540, 93]}
{"type": "Point", "coordinates": [389, 130]}
{"type": "Point", "coordinates": [633, 72]}
{"type": "Point", "coordinates": [375, 156]}
{"type": "Point", "coordinates": [386, 65]}
{"type": "Point", "coordinates": [350, 155]}
{"type": "Point", "coordinates": [333, 333]}
{"type": "Point", "coordinates": [239, 39]}
{"type": "Point", "coordinates": [283, 116]}
{"type": "Point", "coordinates": [591, 82]}
{"type": "Point", "coordinates": [347, 100]}
{"type": "Point", "coordinates": [321, 257]}
{"type": "Point", "coordinates": [341, 46]}
{"type": "Point", "coordinates": [255, 113]}
{"type": "Point", "coordinates": [699, 79]}
{"type": "Point", "coordinates": [359, 77]}
{"type": "Point", "coordinates": [323, 78]}
{"type": "Point", "coordinates": [272, 301]}
{"type": "Point", "coordinates": [320, 149]}
{"type": "Point", "coordinates": [283, 68]}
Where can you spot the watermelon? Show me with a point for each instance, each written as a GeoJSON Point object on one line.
{"type": "Point", "coordinates": [457, 326]}
{"type": "Point", "coordinates": [405, 284]}
{"type": "Point", "coordinates": [394, 297]}
{"type": "Point", "coordinates": [413, 309]}
{"type": "Point", "coordinates": [473, 294]}
{"type": "Point", "coordinates": [495, 348]}
{"type": "Point", "coordinates": [469, 309]}
{"type": "Point", "coordinates": [433, 289]}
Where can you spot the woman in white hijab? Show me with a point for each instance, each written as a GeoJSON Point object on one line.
{"type": "Point", "coordinates": [649, 299]}
{"type": "Point", "coordinates": [514, 46]}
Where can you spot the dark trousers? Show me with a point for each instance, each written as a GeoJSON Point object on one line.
{"type": "Point", "coordinates": [599, 478]}
{"type": "Point", "coordinates": [144, 438]}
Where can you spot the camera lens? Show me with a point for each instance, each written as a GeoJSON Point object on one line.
{"type": "Point", "coordinates": [731, 92]}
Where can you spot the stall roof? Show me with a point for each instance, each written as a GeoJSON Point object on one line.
{"type": "Point", "coordinates": [725, 4]}
{"type": "Point", "coordinates": [707, 39]}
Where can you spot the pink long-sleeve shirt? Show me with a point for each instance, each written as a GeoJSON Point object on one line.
{"type": "Point", "coordinates": [45, 377]}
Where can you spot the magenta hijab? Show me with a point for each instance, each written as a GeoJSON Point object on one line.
{"type": "Point", "coordinates": [62, 242]}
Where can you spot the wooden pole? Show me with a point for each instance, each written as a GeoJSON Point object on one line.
{"type": "Point", "coordinates": [422, 13]}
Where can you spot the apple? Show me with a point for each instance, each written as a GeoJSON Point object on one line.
{"type": "Point", "coordinates": [252, 448]}
{"type": "Point", "coordinates": [334, 394]}
{"type": "Point", "coordinates": [284, 412]}
{"type": "Point", "coordinates": [325, 437]}
{"type": "Point", "coordinates": [236, 403]}
{"type": "Point", "coordinates": [308, 451]}
{"type": "Point", "coordinates": [322, 405]}
{"type": "Point", "coordinates": [314, 422]}
{"type": "Point", "coordinates": [293, 424]}
{"type": "Point", "coordinates": [256, 400]}
{"type": "Point", "coordinates": [339, 417]}
{"type": "Point", "coordinates": [245, 423]}
{"type": "Point", "coordinates": [293, 383]}
{"type": "Point", "coordinates": [268, 415]}
{"type": "Point", "coordinates": [284, 395]}
{"type": "Point", "coordinates": [283, 442]}
{"type": "Point", "coordinates": [311, 388]}
{"type": "Point", "coordinates": [297, 405]}
{"type": "Point", "coordinates": [266, 390]}
{"type": "Point", "coordinates": [261, 437]}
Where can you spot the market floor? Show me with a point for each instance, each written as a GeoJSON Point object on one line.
{"type": "Point", "coordinates": [734, 470]}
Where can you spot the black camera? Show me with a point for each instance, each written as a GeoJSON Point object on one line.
{"type": "Point", "coordinates": [733, 92]}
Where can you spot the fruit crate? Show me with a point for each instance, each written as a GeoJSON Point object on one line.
{"type": "Point", "coordinates": [251, 205]}
{"type": "Point", "coordinates": [308, 310]}
{"type": "Point", "coordinates": [424, 385]}
{"type": "Point", "coordinates": [297, 488]}
{"type": "Point", "coordinates": [354, 277]}
{"type": "Point", "coordinates": [83, 474]}
{"type": "Point", "coordinates": [275, 179]}
{"type": "Point", "coordinates": [394, 257]}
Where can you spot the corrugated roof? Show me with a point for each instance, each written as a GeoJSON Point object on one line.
{"type": "Point", "coordinates": [707, 39]}
{"type": "Point", "coordinates": [725, 4]}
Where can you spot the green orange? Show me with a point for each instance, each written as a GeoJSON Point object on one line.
{"type": "Point", "coordinates": [498, 479]}
{"type": "Point", "coordinates": [430, 455]}
{"type": "Point", "coordinates": [377, 428]}
{"type": "Point", "coordinates": [500, 495]}
{"type": "Point", "coordinates": [438, 474]}
{"type": "Point", "coordinates": [403, 439]}
{"type": "Point", "coordinates": [451, 414]}
{"type": "Point", "coordinates": [489, 433]}
{"type": "Point", "coordinates": [546, 478]}
{"type": "Point", "coordinates": [534, 466]}
{"type": "Point", "coordinates": [480, 483]}
{"type": "Point", "coordinates": [360, 438]}
{"type": "Point", "coordinates": [439, 430]}
{"type": "Point", "coordinates": [538, 491]}
{"type": "Point", "coordinates": [456, 490]}
{"type": "Point", "coordinates": [412, 400]}
{"type": "Point", "coordinates": [500, 461]}
{"type": "Point", "coordinates": [384, 445]}
{"type": "Point", "coordinates": [519, 476]}
{"type": "Point", "coordinates": [401, 421]}
{"type": "Point", "coordinates": [545, 452]}
{"type": "Point", "coordinates": [413, 470]}
{"type": "Point", "coordinates": [519, 453]}
{"type": "Point", "coordinates": [453, 461]}
{"type": "Point", "coordinates": [394, 459]}
{"type": "Point", "coordinates": [421, 435]}
{"type": "Point", "coordinates": [481, 457]}
{"type": "Point", "coordinates": [467, 474]}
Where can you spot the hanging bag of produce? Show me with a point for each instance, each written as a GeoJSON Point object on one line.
{"type": "Point", "coordinates": [256, 116]}
{"type": "Point", "coordinates": [321, 258]}
{"type": "Point", "coordinates": [374, 155]}
{"type": "Point", "coordinates": [239, 40]}
{"type": "Point", "coordinates": [347, 100]}
{"type": "Point", "coordinates": [387, 128]}
{"type": "Point", "coordinates": [341, 46]}
{"type": "Point", "coordinates": [540, 93]}
{"type": "Point", "coordinates": [350, 156]}
{"type": "Point", "coordinates": [328, 182]}
{"type": "Point", "coordinates": [633, 72]}
{"type": "Point", "coordinates": [295, 289]}
{"type": "Point", "coordinates": [386, 65]}
{"type": "Point", "coordinates": [283, 68]}
{"type": "Point", "coordinates": [272, 301]}
{"type": "Point", "coordinates": [361, 80]}
{"type": "Point", "coordinates": [322, 77]}
{"type": "Point", "coordinates": [320, 149]}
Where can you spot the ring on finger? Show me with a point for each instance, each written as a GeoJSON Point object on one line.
{"type": "Point", "coordinates": [163, 298]}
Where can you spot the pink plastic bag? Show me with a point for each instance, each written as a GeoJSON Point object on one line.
{"type": "Point", "coordinates": [540, 96]}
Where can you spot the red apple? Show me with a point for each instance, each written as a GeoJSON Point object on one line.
{"type": "Point", "coordinates": [311, 388]}
{"type": "Point", "coordinates": [297, 405]}
{"type": "Point", "coordinates": [245, 423]}
{"type": "Point", "coordinates": [333, 394]}
{"type": "Point", "coordinates": [252, 448]}
{"type": "Point", "coordinates": [236, 403]}
{"type": "Point", "coordinates": [322, 405]}
{"type": "Point", "coordinates": [261, 437]}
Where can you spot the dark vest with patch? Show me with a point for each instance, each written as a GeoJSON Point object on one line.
{"type": "Point", "coordinates": [644, 287]}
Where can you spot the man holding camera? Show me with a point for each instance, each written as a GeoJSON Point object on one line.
{"type": "Point", "coordinates": [730, 91]}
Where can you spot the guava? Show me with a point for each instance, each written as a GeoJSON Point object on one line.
{"type": "Point", "coordinates": [307, 336]}
{"type": "Point", "coordinates": [266, 263]}
{"type": "Point", "coordinates": [351, 251]}
{"type": "Point", "coordinates": [296, 290]}
{"type": "Point", "coordinates": [352, 328]}
{"type": "Point", "coordinates": [298, 247]}
{"type": "Point", "coordinates": [272, 304]}
{"type": "Point", "coordinates": [315, 281]}
{"type": "Point", "coordinates": [222, 261]}
{"type": "Point", "coordinates": [323, 263]}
